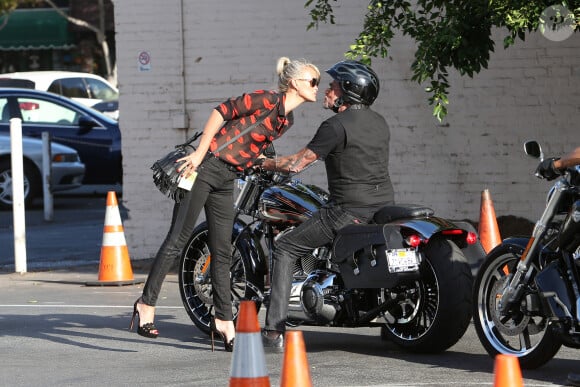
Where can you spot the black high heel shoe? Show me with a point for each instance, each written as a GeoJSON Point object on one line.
{"type": "Point", "coordinates": [228, 345]}
{"type": "Point", "coordinates": [147, 330]}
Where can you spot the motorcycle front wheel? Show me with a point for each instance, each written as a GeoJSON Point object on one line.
{"type": "Point", "coordinates": [513, 332]}
{"type": "Point", "coordinates": [433, 313]}
{"type": "Point", "coordinates": [195, 284]}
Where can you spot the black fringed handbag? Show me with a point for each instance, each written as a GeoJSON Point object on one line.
{"type": "Point", "coordinates": [165, 175]}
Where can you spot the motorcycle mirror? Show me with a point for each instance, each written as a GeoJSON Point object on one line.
{"type": "Point", "coordinates": [533, 149]}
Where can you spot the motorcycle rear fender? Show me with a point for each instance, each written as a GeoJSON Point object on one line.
{"type": "Point", "coordinates": [455, 231]}
{"type": "Point", "coordinates": [430, 227]}
{"type": "Point", "coordinates": [249, 247]}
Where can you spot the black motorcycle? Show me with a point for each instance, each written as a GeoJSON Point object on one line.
{"type": "Point", "coordinates": [405, 272]}
{"type": "Point", "coordinates": [526, 297]}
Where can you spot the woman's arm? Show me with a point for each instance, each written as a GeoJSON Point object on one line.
{"type": "Point", "coordinates": [210, 129]}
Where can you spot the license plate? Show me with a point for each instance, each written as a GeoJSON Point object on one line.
{"type": "Point", "coordinates": [402, 260]}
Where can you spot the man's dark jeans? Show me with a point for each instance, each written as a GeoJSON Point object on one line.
{"type": "Point", "coordinates": [317, 231]}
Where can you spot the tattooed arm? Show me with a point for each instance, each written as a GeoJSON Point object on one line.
{"type": "Point", "coordinates": [291, 164]}
{"type": "Point", "coordinates": [569, 160]}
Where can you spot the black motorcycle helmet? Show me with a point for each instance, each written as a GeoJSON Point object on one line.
{"type": "Point", "coordinates": [359, 83]}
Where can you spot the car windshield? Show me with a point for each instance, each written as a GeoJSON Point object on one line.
{"type": "Point", "coordinates": [100, 90]}
{"type": "Point", "coordinates": [69, 87]}
{"type": "Point", "coordinates": [83, 88]}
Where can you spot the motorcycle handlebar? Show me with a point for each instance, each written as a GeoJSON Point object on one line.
{"type": "Point", "coordinates": [266, 176]}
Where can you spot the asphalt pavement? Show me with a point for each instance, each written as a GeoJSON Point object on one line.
{"type": "Point", "coordinates": [73, 237]}
{"type": "Point", "coordinates": [55, 329]}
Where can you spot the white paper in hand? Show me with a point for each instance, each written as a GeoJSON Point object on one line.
{"type": "Point", "coordinates": [187, 182]}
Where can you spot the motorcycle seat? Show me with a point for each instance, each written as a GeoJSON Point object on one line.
{"type": "Point", "coordinates": [391, 212]}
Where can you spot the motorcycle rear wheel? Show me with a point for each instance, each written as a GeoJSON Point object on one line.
{"type": "Point", "coordinates": [434, 312]}
{"type": "Point", "coordinates": [195, 280]}
{"type": "Point", "coordinates": [530, 338]}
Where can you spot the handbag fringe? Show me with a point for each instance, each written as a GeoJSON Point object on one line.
{"type": "Point", "coordinates": [165, 175]}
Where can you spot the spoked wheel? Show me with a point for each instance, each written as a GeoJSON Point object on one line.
{"type": "Point", "coordinates": [195, 282]}
{"type": "Point", "coordinates": [514, 332]}
{"type": "Point", "coordinates": [431, 314]}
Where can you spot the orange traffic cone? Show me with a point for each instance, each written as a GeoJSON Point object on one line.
{"type": "Point", "coordinates": [115, 266]}
{"type": "Point", "coordinates": [488, 229]}
{"type": "Point", "coordinates": [248, 361]}
{"type": "Point", "coordinates": [507, 371]}
{"type": "Point", "coordinates": [295, 369]}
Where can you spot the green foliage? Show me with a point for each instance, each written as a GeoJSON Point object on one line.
{"type": "Point", "coordinates": [7, 6]}
{"type": "Point", "coordinates": [449, 34]}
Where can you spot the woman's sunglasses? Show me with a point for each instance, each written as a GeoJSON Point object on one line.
{"type": "Point", "coordinates": [313, 82]}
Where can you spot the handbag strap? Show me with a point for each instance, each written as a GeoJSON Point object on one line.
{"type": "Point", "coordinates": [189, 140]}
{"type": "Point", "coordinates": [223, 146]}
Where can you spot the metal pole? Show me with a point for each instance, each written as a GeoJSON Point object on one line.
{"type": "Point", "coordinates": [46, 173]}
{"type": "Point", "coordinates": [18, 195]}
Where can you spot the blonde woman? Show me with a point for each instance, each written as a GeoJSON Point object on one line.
{"type": "Point", "coordinates": [213, 188]}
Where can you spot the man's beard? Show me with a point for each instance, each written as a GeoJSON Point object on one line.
{"type": "Point", "coordinates": [327, 104]}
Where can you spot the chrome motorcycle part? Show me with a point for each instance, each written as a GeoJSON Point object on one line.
{"type": "Point", "coordinates": [316, 297]}
{"type": "Point", "coordinates": [296, 313]}
{"type": "Point", "coordinates": [515, 331]}
{"type": "Point", "coordinates": [247, 196]}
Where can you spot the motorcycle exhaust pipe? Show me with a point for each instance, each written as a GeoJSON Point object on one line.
{"type": "Point", "coordinates": [295, 309]}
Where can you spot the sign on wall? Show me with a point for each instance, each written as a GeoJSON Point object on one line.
{"type": "Point", "coordinates": [144, 61]}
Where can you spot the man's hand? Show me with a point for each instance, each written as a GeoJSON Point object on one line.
{"type": "Point", "coordinates": [547, 170]}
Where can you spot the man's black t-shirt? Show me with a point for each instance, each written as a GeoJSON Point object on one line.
{"type": "Point", "coordinates": [354, 145]}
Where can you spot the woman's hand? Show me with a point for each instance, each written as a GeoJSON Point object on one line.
{"type": "Point", "coordinates": [189, 164]}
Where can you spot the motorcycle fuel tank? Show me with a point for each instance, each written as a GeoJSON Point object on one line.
{"type": "Point", "coordinates": [289, 203]}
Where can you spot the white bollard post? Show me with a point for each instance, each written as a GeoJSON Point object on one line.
{"type": "Point", "coordinates": [18, 195]}
{"type": "Point", "coordinates": [46, 173]}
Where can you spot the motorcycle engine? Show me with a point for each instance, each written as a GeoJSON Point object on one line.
{"type": "Point", "coordinates": [315, 299]}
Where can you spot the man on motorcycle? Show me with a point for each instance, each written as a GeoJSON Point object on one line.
{"type": "Point", "coordinates": [550, 168]}
{"type": "Point", "coordinates": [354, 145]}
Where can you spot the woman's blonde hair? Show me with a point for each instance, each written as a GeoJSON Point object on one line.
{"type": "Point", "coordinates": [292, 69]}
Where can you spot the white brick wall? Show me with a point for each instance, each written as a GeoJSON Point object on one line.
{"type": "Point", "coordinates": [529, 91]}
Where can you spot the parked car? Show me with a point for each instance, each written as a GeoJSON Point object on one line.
{"type": "Point", "coordinates": [88, 89]}
{"type": "Point", "coordinates": [94, 136]}
{"type": "Point", "coordinates": [67, 170]}
{"type": "Point", "coordinates": [108, 108]}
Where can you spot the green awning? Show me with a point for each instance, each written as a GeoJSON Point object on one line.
{"type": "Point", "coordinates": [34, 29]}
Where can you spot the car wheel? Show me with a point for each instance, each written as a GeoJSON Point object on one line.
{"type": "Point", "coordinates": [31, 184]}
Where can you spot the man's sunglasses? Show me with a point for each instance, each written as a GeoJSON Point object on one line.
{"type": "Point", "coordinates": [313, 82]}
